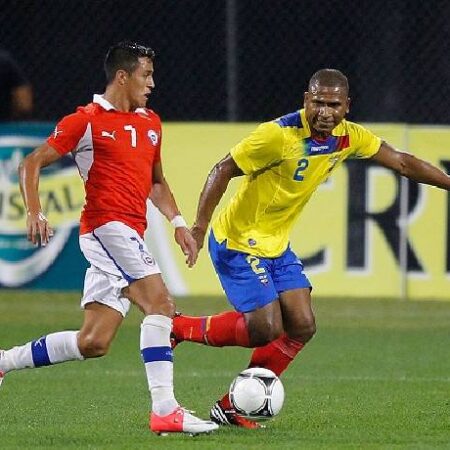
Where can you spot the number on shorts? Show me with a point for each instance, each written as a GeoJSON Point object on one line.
{"type": "Point", "coordinates": [254, 261]}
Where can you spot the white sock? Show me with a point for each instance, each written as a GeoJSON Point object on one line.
{"type": "Point", "coordinates": [157, 355]}
{"type": "Point", "coordinates": [51, 349]}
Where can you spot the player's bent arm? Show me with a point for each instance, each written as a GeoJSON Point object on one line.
{"type": "Point", "coordinates": [213, 190]}
{"type": "Point", "coordinates": [29, 171]}
{"type": "Point", "coordinates": [163, 199]}
{"type": "Point", "coordinates": [161, 195]}
{"type": "Point", "coordinates": [411, 167]}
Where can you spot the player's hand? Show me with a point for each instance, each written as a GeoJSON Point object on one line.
{"type": "Point", "coordinates": [199, 235]}
{"type": "Point", "coordinates": [187, 243]}
{"type": "Point", "coordinates": [39, 231]}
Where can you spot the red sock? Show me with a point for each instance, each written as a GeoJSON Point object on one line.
{"type": "Point", "coordinates": [276, 355]}
{"type": "Point", "coordinates": [225, 329]}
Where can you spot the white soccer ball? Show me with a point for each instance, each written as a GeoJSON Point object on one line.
{"type": "Point", "coordinates": [257, 393]}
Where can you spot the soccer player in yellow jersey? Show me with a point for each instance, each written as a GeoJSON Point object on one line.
{"type": "Point", "coordinates": [283, 162]}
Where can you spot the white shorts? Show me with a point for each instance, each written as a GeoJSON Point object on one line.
{"type": "Point", "coordinates": [118, 256]}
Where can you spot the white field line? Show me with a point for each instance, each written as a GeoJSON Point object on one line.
{"type": "Point", "coordinates": [229, 374]}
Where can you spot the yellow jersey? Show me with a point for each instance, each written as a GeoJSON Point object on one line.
{"type": "Point", "coordinates": [283, 166]}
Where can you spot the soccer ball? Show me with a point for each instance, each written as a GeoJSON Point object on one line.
{"type": "Point", "coordinates": [257, 393]}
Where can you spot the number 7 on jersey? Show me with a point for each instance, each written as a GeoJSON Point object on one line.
{"type": "Point", "coordinates": [131, 129]}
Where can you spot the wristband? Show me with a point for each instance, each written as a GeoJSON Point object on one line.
{"type": "Point", "coordinates": [178, 221]}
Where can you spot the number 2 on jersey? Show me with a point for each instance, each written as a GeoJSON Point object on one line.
{"type": "Point", "coordinates": [133, 134]}
{"type": "Point", "coordinates": [302, 165]}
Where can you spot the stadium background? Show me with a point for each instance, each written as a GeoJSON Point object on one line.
{"type": "Point", "coordinates": [240, 60]}
{"type": "Point", "coordinates": [249, 61]}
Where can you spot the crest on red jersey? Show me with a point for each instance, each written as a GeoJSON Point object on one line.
{"type": "Point", "coordinates": [153, 136]}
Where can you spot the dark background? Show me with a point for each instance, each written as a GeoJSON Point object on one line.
{"type": "Point", "coordinates": [246, 60]}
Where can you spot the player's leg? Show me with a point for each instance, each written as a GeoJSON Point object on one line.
{"type": "Point", "coordinates": [264, 326]}
{"type": "Point", "coordinates": [47, 350]}
{"type": "Point", "coordinates": [294, 290]}
{"type": "Point", "coordinates": [103, 315]}
{"type": "Point", "coordinates": [286, 273]}
{"type": "Point", "coordinates": [92, 340]}
{"type": "Point", "coordinates": [150, 295]}
{"type": "Point", "coordinates": [153, 299]}
{"type": "Point", "coordinates": [248, 329]}
{"type": "Point", "coordinates": [121, 255]}
{"type": "Point", "coordinates": [298, 316]}
{"type": "Point", "coordinates": [299, 325]}
{"type": "Point", "coordinates": [231, 328]}
{"type": "Point", "coordinates": [100, 325]}
{"type": "Point", "coordinates": [247, 283]}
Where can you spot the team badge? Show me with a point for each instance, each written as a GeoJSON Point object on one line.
{"type": "Point", "coordinates": [153, 136]}
{"type": "Point", "coordinates": [147, 259]}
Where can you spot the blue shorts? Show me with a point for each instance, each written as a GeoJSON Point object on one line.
{"type": "Point", "coordinates": [251, 282]}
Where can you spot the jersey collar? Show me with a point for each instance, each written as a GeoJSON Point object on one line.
{"type": "Point", "coordinates": [99, 99]}
{"type": "Point", "coordinates": [305, 124]}
{"type": "Point", "coordinates": [103, 102]}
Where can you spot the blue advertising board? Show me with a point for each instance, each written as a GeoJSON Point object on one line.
{"type": "Point", "coordinates": [60, 264]}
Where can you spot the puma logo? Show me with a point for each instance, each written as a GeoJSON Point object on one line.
{"type": "Point", "coordinates": [39, 342]}
{"type": "Point", "coordinates": [110, 135]}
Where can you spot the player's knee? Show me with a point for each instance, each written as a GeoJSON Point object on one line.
{"type": "Point", "coordinates": [91, 346]}
{"type": "Point", "coordinates": [167, 306]}
{"type": "Point", "coordinates": [264, 334]}
{"type": "Point", "coordinates": [309, 331]}
{"type": "Point", "coordinates": [304, 331]}
{"type": "Point", "coordinates": [160, 304]}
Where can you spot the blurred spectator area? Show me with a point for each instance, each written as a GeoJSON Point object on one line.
{"type": "Point", "coordinates": [240, 60]}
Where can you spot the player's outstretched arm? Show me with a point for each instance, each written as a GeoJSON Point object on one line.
{"type": "Point", "coordinates": [213, 190]}
{"type": "Point", "coordinates": [163, 199]}
{"type": "Point", "coordinates": [411, 167]}
{"type": "Point", "coordinates": [38, 228]}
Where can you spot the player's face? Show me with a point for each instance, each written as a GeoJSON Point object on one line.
{"type": "Point", "coordinates": [325, 107]}
{"type": "Point", "coordinates": [140, 83]}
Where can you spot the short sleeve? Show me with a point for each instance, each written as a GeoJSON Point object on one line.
{"type": "Point", "coordinates": [68, 133]}
{"type": "Point", "coordinates": [158, 147]}
{"type": "Point", "coordinates": [365, 143]}
{"type": "Point", "coordinates": [160, 136]}
{"type": "Point", "coordinates": [261, 149]}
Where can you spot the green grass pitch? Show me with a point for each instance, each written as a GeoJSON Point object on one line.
{"type": "Point", "coordinates": [376, 376]}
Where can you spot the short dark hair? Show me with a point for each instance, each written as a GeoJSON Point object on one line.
{"type": "Point", "coordinates": [125, 56]}
{"type": "Point", "coordinates": [329, 78]}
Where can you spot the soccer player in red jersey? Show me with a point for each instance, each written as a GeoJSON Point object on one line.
{"type": "Point", "coordinates": [283, 162]}
{"type": "Point", "coordinates": [116, 142]}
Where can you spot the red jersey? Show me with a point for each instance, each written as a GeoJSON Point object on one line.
{"type": "Point", "coordinates": [115, 152]}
